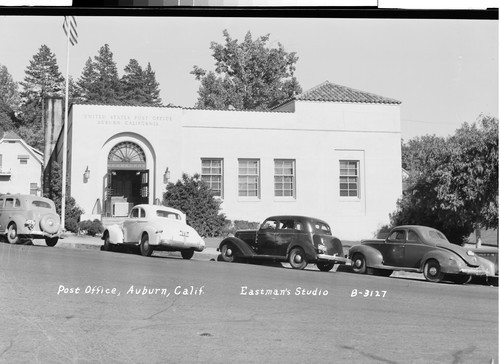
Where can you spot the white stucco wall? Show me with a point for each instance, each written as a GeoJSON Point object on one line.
{"type": "Point", "coordinates": [317, 135]}
{"type": "Point", "coordinates": [16, 177]}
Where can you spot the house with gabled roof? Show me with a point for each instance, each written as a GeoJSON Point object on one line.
{"type": "Point", "coordinates": [332, 152]}
{"type": "Point", "coordinates": [20, 166]}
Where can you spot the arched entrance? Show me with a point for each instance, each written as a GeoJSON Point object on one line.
{"type": "Point", "coordinates": [127, 180]}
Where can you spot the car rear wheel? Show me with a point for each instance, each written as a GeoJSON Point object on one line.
{"type": "Point", "coordinates": [227, 252]}
{"type": "Point", "coordinates": [359, 263]}
{"type": "Point", "coordinates": [51, 241]}
{"type": "Point", "coordinates": [12, 236]}
{"type": "Point", "coordinates": [187, 254]}
{"type": "Point", "coordinates": [432, 271]}
{"type": "Point", "coordinates": [325, 266]}
{"type": "Point", "coordinates": [145, 248]}
{"type": "Point", "coordinates": [297, 258]}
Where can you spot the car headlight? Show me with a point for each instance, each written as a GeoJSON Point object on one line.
{"type": "Point", "coordinates": [470, 252]}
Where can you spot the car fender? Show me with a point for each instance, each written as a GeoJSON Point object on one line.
{"type": "Point", "coordinates": [373, 257]}
{"type": "Point", "coordinates": [311, 254]}
{"type": "Point", "coordinates": [20, 222]}
{"type": "Point", "coordinates": [115, 234]}
{"type": "Point", "coordinates": [443, 258]}
{"type": "Point", "coordinates": [153, 235]}
{"type": "Point", "coordinates": [243, 250]}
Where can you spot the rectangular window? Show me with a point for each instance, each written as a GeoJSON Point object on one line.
{"type": "Point", "coordinates": [33, 189]}
{"type": "Point", "coordinates": [248, 178]}
{"type": "Point", "coordinates": [284, 178]}
{"type": "Point", "coordinates": [349, 178]}
{"type": "Point", "coordinates": [211, 173]}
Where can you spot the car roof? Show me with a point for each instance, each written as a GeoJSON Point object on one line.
{"type": "Point", "coordinates": [159, 207]}
{"type": "Point", "coordinates": [296, 217]}
{"type": "Point", "coordinates": [23, 196]}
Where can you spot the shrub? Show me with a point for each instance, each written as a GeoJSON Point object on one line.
{"type": "Point", "coordinates": [194, 197]}
{"type": "Point", "coordinates": [92, 228]}
{"type": "Point", "coordinates": [70, 224]}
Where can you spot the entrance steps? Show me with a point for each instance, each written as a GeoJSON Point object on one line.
{"type": "Point", "coordinates": [107, 220]}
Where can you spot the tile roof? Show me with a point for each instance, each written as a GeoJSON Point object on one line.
{"type": "Point", "coordinates": [331, 92]}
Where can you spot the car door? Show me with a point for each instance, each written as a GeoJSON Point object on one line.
{"type": "Point", "coordinates": [133, 226]}
{"type": "Point", "coordinates": [415, 249]}
{"type": "Point", "coordinates": [285, 235]}
{"type": "Point", "coordinates": [3, 216]}
{"type": "Point", "coordinates": [266, 237]}
{"type": "Point", "coordinates": [393, 250]}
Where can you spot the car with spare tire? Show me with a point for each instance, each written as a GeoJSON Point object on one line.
{"type": "Point", "coordinates": [27, 217]}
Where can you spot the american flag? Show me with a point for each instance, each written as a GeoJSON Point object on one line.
{"type": "Point", "coordinates": [69, 27]}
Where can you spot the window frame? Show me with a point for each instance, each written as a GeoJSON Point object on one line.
{"type": "Point", "coordinates": [257, 177]}
{"type": "Point", "coordinates": [211, 175]}
{"type": "Point", "coordinates": [348, 177]}
{"type": "Point", "coordinates": [283, 177]}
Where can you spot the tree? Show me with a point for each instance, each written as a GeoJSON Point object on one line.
{"type": "Point", "coordinates": [53, 190]}
{"type": "Point", "coordinates": [42, 79]}
{"type": "Point", "coordinates": [248, 75]}
{"type": "Point", "coordinates": [99, 81]}
{"type": "Point", "coordinates": [132, 84]}
{"type": "Point", "coordinates": [138, 86]}
{"type": "Point", "coordinates": [193, 196]}
{"type": "Point", "coordinates": [468, 182]}
{"type": "Point", "coordinates": [152, 90]}
{"type": "Point", "coordinates": [453, 182]}
{"type": "Point", "coordinates": [9, 101]}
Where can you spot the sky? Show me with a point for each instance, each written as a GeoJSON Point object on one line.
{"type": "Point", "coordinates": [444, 71]}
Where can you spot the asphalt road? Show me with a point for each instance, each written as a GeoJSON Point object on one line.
{"type": "Point", "coordinates": [61, 305]}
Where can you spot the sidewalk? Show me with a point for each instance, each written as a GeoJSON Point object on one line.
{"type": "Point", "coordinates": [95, 242]}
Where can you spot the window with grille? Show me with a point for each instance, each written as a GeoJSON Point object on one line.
{"type": "Point", "coordinates": [211, 173]}
{"type": "Point", "coordinates": [349, 178]}
{"type": "Point", "coordinates": [248, 178]}
{"type": "Point", "coordinates": [284, 178]}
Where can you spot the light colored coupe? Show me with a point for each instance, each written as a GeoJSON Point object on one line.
{"type": "Point", "coordinates": [154, 227]}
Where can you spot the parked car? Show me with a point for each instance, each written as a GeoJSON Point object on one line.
{"type": "Point", "coordinates": [419, 249]}
{"type": "Point", "coordinates": [154, 227]}
{"type": "Point", "coordinates": [489, 253]}
{"type": "Point", "coordinates": [26, 217]}
{"type": "Point", "coordinates": [298, 240]}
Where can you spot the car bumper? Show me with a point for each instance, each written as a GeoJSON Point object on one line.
{"type": "Point", "coordinates": [181, 245]}
{"type": "Point", "coordinates": [474, 271]}
{"type": "Point", "coordinates": [35, 234]}
{"type": "Point", "coordinates": [332, 258]}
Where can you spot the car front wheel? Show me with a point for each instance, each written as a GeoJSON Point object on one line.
{"type": "Point", "coordinates": [145, 248]}
{"type": "Point", "coordinates": [432, 271]}
{"type": "Point", "coordinates": [187, 254]}
{"type": "Point", "coordinates": [325, 266]}
{"type": "Point", "coordinates": [297, 258]}
{"type": "Point", "coordinates": [12, 236]}
{"type": "Point", "coordinates": [359, 263]}
{"type": "Point", "coordinates": [51, 241]}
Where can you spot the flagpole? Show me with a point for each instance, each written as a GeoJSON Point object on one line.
{"type": "Point", "coordinates": [65, 135]}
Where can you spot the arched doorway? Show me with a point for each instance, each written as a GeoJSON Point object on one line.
{"type": "Point", "coordinates": [127, 180]}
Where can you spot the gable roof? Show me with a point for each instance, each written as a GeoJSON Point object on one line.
{"type": "Point", "coordinates": [331, 92]}
{"type": "Point", "coordinates": [11, 136]}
